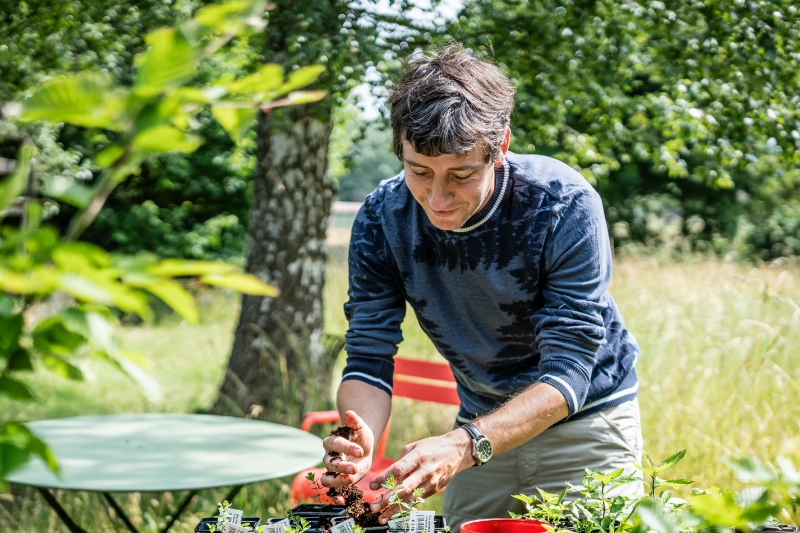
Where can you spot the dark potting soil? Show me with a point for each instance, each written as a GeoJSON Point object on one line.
{"type": "Point", "coordinates": [352, 495]}
{"type": "Point", "coordinates": [356, 506]}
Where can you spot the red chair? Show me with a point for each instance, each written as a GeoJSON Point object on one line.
{"type": "Point", "coordinates": [414, 379]}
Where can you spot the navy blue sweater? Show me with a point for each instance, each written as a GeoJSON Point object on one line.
{"type": "Point", "coordinates": [515, 296]}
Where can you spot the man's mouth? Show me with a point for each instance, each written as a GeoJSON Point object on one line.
{"type": "Point", "coordinates": [443, 214]}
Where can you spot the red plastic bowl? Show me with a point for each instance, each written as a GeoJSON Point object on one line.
{"type": "Point", "coordinates": [503, 525]}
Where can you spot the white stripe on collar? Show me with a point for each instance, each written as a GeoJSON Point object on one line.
{"type": "Point", "coordinates": [494, 207]}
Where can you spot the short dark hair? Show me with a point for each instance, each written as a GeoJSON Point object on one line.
{"type": "Point", "coordinates": [450, 102]}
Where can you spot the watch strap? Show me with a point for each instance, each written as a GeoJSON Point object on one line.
{"type": "Point", "coordinates": [476, 435]}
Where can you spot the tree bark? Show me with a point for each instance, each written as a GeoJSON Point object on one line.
{"type": "Point", "coordinates": [279, 366]}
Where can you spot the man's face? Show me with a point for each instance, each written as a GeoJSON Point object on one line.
{"type": "Point", "coordinates": [450, 188]}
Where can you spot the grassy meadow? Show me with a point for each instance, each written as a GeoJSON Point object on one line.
{"type": "Point", "coordinates": [719, 377]}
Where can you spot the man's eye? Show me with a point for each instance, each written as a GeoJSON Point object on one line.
{"type": "Point", "coordinates": [418, 174]}
{"type": "Point", "coordinates": [463, 178]}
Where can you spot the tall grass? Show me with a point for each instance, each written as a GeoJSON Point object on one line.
{"type": "Point", "coordinates": [719, 376]}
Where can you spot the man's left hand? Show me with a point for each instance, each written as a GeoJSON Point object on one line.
{"type": "Point", "coordinates": [429, 464]}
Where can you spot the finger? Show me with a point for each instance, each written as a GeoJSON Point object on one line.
{"type": "Point", "coordinates": [353, 421]}
{"type": "Point", "coordinates": [408, 448]}
{"type": "Point", "coordinates": [332, 480]}
{"type": "Point", "coordinates": [338, 444]}
{"type": "Point", "coordinates": [340, 466]}
{"type": "Point", "coordinates": [400, 469]}
{"type": "Point", "coordinates": [388, 513]}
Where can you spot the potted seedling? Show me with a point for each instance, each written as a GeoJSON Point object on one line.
{"type": "Point", "coordinates": [216, 524]}
{"type": "Point", "coordinates": [317, 509]}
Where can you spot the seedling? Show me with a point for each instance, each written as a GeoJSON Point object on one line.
{"type": "Point", "coordinates": [649, 468]}
{"type": "Point", "coordinates": [314, 482]}
{"type": "Point", "coordinates": [298, 524]}
{"type": "Point", "coordinates": [222, 518]}
{"type": "Point", "coordinates": [404, 507]}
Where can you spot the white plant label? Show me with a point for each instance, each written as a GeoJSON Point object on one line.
{"type": "Point", "coordinates": [420, 521]}
{"type": "Point", "coordinates": [233, 516]}
{"type": "Point", "coordinates": [277, 527]}
{"type": "Point", "coordinates": [230, 527]}
{"type": "Point", "coordinates": [344, 527]}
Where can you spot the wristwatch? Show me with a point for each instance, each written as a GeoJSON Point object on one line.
{"type": "Point", "coordinates": [482, 446]}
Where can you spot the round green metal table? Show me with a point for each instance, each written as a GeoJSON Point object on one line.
{"type": "Point", "coordinates": [164, 452]}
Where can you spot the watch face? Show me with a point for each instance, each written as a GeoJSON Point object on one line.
{"type": "Point", "coordinates": [483, 449]}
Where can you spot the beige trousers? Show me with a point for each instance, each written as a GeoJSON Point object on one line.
{"type": "Point", "coordinates": [604, 441]}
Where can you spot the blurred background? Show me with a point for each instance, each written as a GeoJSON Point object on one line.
{"type": "Point", "coordinates": [683, 114]}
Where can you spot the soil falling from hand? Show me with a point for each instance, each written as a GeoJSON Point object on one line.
{"type": "Point", "coordinates": [352, 495]}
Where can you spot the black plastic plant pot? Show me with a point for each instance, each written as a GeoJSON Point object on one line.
{"type": "Point", "coordinates": [316, 509]}
{"type": "Point", "coordinates": [203, 526]}
{"type": "Point", "coordinates": [438, 525]}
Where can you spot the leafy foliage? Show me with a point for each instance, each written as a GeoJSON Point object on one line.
{"type": "Point", "coordinates": [152, 116]}
{"type": "Point", "coordinates": [767, 494]}
{"type": "Point", "coordinates": [683, 114]}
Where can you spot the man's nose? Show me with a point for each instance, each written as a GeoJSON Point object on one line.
{"type": "Point", "coordinates": [439, 197]}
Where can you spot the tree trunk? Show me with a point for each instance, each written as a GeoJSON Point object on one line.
{"type": "Point", "coordinates": [279, 366]}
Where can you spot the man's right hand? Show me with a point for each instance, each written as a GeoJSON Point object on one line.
{"type": "Point", "coordinates": [349, 460]}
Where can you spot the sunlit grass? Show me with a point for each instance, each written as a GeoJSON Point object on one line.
{"type": "Point", "coordinates": [719, 373]}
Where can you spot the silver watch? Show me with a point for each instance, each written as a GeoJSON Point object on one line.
{"type": "Point", "coordinates": [482, 446]}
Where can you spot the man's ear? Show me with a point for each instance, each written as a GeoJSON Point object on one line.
{"type": "Point", "coordinates": [503, 149]}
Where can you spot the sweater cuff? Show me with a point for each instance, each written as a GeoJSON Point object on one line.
{"type": "Point", "coordinates": [373, 370]}
{"type": "Point", "coordinates": [570, 379]}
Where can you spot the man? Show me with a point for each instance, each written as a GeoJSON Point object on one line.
{"type": "Point", "coordinates": [505, 260]}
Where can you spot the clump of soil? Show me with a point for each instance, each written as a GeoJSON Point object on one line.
{"type": "Point", "coordinates": [352, 495]}
{"type": "Point", "coordinates": [325, 523]}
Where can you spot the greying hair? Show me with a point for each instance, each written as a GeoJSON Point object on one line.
{"type": "Point", "coordinates": [449, 103]}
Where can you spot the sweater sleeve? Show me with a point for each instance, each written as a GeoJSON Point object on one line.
{"type": "Point", "coordinates": [376, 305]}
{"type": "Point", "coordinates": [569, 326]}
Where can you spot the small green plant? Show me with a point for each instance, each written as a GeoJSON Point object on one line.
{"type": "Point", "coordinates": [547, 507]}
{"type": "Point", "coordinates": [314, 482]}
{"type": "Point", "coordinates": [649, 468]}
{"type": "Point", "coordinates": [404, 507]}
{"type": "Point", "coordinates": [298, 524]}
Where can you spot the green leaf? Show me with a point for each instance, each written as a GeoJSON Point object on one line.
{"type": "Point", "coordinates": [10, 333]}
{"type": "Point", "coordinates": [170, 292]}
{"type": "Point", "coordinates": [17, 445]}
{"type": "Point", "coordinates": [84, 99]}
{"type": "Point", "coordinates": [230, 16]}
{"type": "Point", "coordinates": [61, 367]}
{"type": "Point", "coordinates": [6, 306]}
{"type": "Point", "coordinates": [677, 482]}
{"type": "Point", "coordinates": [750, 470]}
{"type": "Point", "coordinates": [41, 280]}
{"type": "Point", "coordinates": [108, 155]}
{"type": "Point", "coordinates": [654, 519]}
{"type": "Point", "coordinates": [20, 361]}
{"type": "Point", "coordinates": [84, 289]}
{"type": "Point", "coordinates": [170, 61]}
{"type": "Point", "coordinates": [301, 77]}
{"type": "Point", "coordinates": [125, 361]}
{"type": "Point", "coordinates": [13, 185]}
{"type": "Point", "coordinates": [235, 121]}
{"type": "Point", "coordinates": [305, 97]}
{"type": "Point", "coordinates": [15, 389]}
{"type": "Point", "coordinates": [53, 337]}
{"type": "Point", "coordinates": [241, 282]}
{"type": "Point", "coordinates": [167, 139]}
{"type": "Point", "coordinates": [81, 257]}
{"type": "Point", "coordinates": [268, 78]}
{"type": "Point", "coordinates": [34, 214]}
{"type": "Point", "coordinates": [175, 268]}
{"type": "Point", "coordinates": [64, 189]}
{"type": "Point", "coordinates": [670, 461]}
